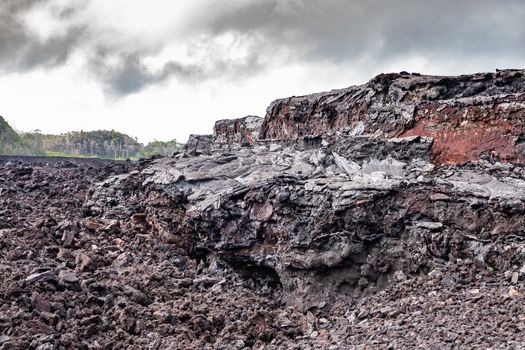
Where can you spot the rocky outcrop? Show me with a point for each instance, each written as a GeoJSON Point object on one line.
{"type": "Point", "coordinates": [74, 282]}
{"type": "Point", "coordinates": [228, 135]}
{"type": "Point", "coordinates": [199, 144]}
{"type": "Point", "coordinates": [319, 223]}
{"type": "Point", "coordinates": [342, 190]}
{"type": "Point", "coordinates": [468, 116]}
{"type": "Point", "coordinates": [236, 133]}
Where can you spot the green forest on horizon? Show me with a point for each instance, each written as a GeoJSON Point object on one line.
{"type": "Point", "coordinates": [107, 144]}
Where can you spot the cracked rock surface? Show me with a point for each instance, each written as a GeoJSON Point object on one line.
{"type": "Point", "coordinates": [389, 215]}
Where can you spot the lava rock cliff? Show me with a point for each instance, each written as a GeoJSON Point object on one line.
{"type": "Point", "coordinates": [337, 193]}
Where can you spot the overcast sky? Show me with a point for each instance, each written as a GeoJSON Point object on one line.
{"type": "Point", "coordinates": [160, 69]}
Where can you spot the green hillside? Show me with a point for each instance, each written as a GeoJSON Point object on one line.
{"type": "Point", "coordinates": [9, 140]}
{"type": "Point", "coordinates": [107, 144]}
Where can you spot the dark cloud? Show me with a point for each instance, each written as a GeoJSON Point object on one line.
{"type": "Point", "coordinates": [125, 73]}
{"type": "Point", "coordinates": [120, 67]}
{"type": "Point", "coordinates": [133, 76]}
{"type": "Point", "coordinates": [130, 75]}
{"type": "Point", "coordinates": [379, 30]}
{"type": "Point", "coordinates": [21, 50]}
{"type": "Point", "coordinates": [358, 34]}
{"type": "Point", "coordinates": [351, 33]}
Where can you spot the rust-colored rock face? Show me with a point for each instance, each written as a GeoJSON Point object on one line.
{"type": "Point", "coordinates": [468, 116]}
{"type": "Point", "coordinates": [468, 130]}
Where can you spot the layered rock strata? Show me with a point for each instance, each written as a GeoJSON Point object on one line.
{"type": "Point", "coordinates": [468, 116]}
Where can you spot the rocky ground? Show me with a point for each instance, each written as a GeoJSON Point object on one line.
{"type": "Point", "coordinates": [337, 240]}
{"type": "Point", "coordinates": [69, 281]}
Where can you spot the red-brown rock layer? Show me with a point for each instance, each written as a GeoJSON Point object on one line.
{"type": "Point", "coordinates": [468, 130]}
{"type": "Point", "coordinates": [469, 116]}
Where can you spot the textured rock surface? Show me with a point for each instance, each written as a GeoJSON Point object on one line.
{"type": "Point", "coordinates": [228, 134]}
{"type": "Point", "coordinates": [312, 219]}
{"type": "Point", "coordinates": [347, 192]}
{"type": "Point", "coordinates": [73, 282]}
{"type": "Point", "coordinates": [468, 116]}
{"type": "Point", "coordinates": [237, 133]}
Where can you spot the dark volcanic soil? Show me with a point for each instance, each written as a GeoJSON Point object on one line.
{"type": "Point", "coordinates": [69, 281]}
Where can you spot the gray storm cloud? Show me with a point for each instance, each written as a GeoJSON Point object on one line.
{"type": "Point", "coordinates": [345, 30]}
{"type": "Point", "coordinates": [131, 75]}
{"type": "Point", "coordinates": [280, 32]}
{"type": "Point", "coordinates": [20, 50]}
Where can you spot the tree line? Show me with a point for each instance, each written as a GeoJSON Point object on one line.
{"type": "Point", "coordinates": [108, 144]}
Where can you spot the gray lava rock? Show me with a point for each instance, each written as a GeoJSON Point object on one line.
{"type": "Point", "coordinates": [448, 281]}
{"type": "Point", "coordinates": [40, 277]}
{"type": "Point", "coordinates": [68, 276]}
